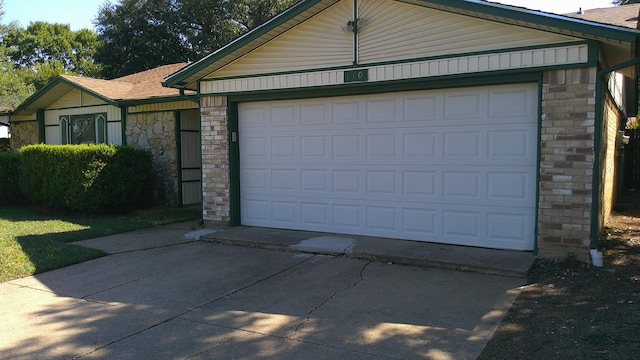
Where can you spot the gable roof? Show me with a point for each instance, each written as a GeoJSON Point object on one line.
{"type": "Point", "coordinates": [622, 16]}
{"type": "Point", "coordinates": [187, 77]}
{"type": "Point", "coordinates": [145, 85]}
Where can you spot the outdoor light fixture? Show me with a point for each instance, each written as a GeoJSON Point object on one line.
{"type": "Point", "coordinates": [353, 25]}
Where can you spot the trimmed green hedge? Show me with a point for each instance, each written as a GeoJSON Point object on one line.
{"type": "Point", "coordinates": [86, 178]}
{"type": "Point", "coordinates": [9, 188]}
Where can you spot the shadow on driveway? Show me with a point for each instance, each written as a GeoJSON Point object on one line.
{"type": "Point", "coordinates": [201, 300]}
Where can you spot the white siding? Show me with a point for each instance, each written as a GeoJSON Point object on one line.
{"type": "Point", "coordinates": [396, 31]}
{"type": "Point", "coordinates": [52, 134]}
{"type": "Point", "coordinates": [392, 31]}
{"type": "Point", "coordinates": [76, 98]}
{"type": "Point", "coordinates": [114, 133]}
{"type": "Point", "coordinates": [319, 42]}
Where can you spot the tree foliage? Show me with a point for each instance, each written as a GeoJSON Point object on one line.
{"type": "Point", "coordinates": [44, 50]}
{"type": "Point", "coordinates": [625, 2]}
{"type": "Point", "coordinates": [142, 34]}
{"type": "Point", "coordinates": [13, 88]}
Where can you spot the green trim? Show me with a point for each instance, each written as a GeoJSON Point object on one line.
{"type": "Point", "coordinates": [538, 161]}
{"type": "Point", "coordinates": [361, 88]}
{"type": "Point", "coordinates": [597, 145]}
{"type": "Point", "coordinates": [55, 82]}
{"type": "Point", "coordinates": [41, 132]}
{"type": "Point", "coordinates": [594, 53]}
{"type": "Point", "coordinates": [195, 98]}
{"type": "Point", "coordinates": [123, 124]}
{"type": "Point", "coordinates": [592, 61]}
{"type": "Point", "coordinates": [155, 100]}
{"type": "Point", "coordinates": [234, 165]}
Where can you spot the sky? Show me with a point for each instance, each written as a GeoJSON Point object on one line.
{"type": "Point", "coordinates": [79, 14]}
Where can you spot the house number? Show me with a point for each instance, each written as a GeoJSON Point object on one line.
{"type": "Point", "coordinates": [356, 75]}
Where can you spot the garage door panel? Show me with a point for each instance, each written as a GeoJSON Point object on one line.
{"type": "Point", "coordinates": [347, 112]}
{"type": "Point", "coordinates": [421, 223]}
{"type": "Point", "coordinates": [420, 145]}
{"type": "Point", "coordinates": [315, 146]}
{"type": "Point", "coordinates": [347, 217]}
{"type": "Point", "coordinates": [283, 116]}
{"type": "Point", "coordinates": [511, 103]}
{"type": "Point", "coordinates": [383, 110]}
{"type": "Point", "coordinates": [284, 213]}
{"type": "Point", "coordinates": [425, 108]}
{"type": "Point", "coordinates": [426, 165]}
{"type": "Point", "coordinates": [316, 114]}
{"type": "Point", "coordinates": [463, 106]}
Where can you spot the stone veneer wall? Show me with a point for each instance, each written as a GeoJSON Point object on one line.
{"type": "Point", "coordinates": [157, 132]}
{"type": "Point", "coordinates": [23, 133]}
{"type": "Point", "coordinates": [215, 160]}
{"type": "Point", "coordinates": [566, 162]}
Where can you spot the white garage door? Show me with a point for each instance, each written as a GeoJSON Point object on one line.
{"type": "Point", "coordinates": [451, 166]}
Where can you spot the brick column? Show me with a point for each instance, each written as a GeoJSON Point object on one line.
{"type": "Point", "coordinates": [215, 161]}
{"type": "Point", "coordinates": [566, 162]}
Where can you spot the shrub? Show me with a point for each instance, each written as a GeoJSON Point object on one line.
{"type": "Point", "coordinates": [126, 182]}
{"type": "Point", "coordinates": [86, 178]}
{"type": "Point", "coordinates": [34, 168]}
{"type": "Point", "coordinates": [9, 175]}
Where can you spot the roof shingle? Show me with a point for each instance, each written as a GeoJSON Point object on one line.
{"type": "Point", "coordinates": [623, 16]}
{"type": "Point", "coordinates": [143, 85]}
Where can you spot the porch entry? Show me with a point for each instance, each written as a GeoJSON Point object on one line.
{"type": "Point", "coordinates": [190, 176]}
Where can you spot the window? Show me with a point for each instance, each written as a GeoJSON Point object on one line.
{"type": "Point", "coordinates": [83, 129]}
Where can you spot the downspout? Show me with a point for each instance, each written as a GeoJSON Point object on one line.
{"type": "Point", "coordinates": [597, 142]}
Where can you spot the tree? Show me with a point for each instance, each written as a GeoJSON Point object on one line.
{"type": "Point", "coordinates": [142, 34]}
{"type": "Point", "coordinates": [48, 50]}
{"type": "Point", "coordinates": [13, 88]}
{"type": "Point", "coordinates": [625, 2]}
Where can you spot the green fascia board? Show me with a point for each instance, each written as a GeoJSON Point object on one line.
{"type": "Point", "coordinates": [492, 10]}
{"type": "Point", "coordinates": [155, 100]}
{"type": "Point", "coordinates": [364, 88]}
{"type": "Point", "coordinates": [51, 86]}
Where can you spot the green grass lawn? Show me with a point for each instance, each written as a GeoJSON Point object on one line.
{"type": "Point", "coordinates": [32, 242]}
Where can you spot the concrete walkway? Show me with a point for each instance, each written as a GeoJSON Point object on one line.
{"type": "Point", "coordinates": [162, 294]}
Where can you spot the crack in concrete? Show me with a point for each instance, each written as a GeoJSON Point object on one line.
{"type": "Point", "coordinates": [325, 301]}
{"type": "Point", "coordinates": [179, 316]}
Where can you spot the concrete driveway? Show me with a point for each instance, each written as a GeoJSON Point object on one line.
{"type": "Point", "coordinates": [159, 296]}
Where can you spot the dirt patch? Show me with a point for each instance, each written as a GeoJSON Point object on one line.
{"type": "Point", "coordinates": [570, 310]}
